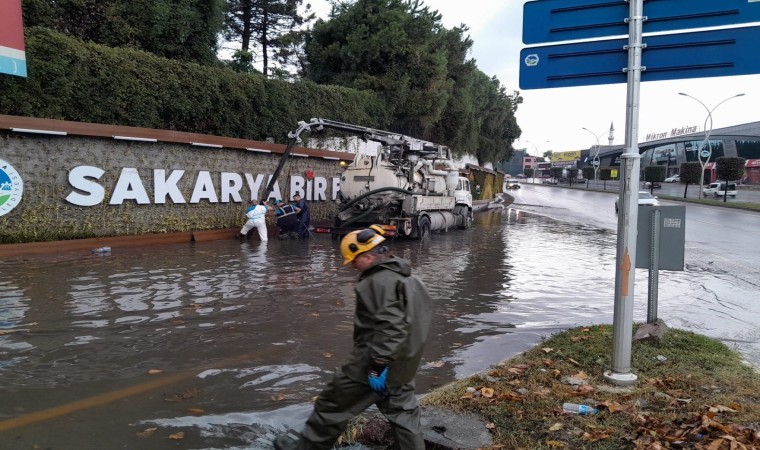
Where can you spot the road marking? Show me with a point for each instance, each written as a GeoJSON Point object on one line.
{"type": "Point", "coordinates": [108, 397]}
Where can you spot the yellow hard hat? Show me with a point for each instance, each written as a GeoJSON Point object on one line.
{"type": "Point", "coordinates": [357, 242]}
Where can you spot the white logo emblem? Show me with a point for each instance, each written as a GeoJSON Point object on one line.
{"type": "Point", "coordinates": [11, 188]}
{"type": "Point", "coordinates": [531, 60]}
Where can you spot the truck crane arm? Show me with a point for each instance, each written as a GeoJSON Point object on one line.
{"type": "Point", "coordinates": [385, 138]}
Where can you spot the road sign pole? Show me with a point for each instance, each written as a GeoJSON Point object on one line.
{"type": "Point", "coordinates": [654, 267]}
{"type": "Point", "coordinates": [622, 322]}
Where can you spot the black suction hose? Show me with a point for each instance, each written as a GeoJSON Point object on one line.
{"type": "Point", "coordinates": [349, 204]}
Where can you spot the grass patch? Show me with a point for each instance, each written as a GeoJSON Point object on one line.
{"type": "Point", "coordinates": [692, 392]}
{"type": "Point", "coordinates": [713, 202]}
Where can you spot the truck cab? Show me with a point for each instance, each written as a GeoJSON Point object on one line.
{"type": "Point", "coordinates": [462, 192]}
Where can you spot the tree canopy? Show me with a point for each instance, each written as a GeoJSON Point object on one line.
{"type": "Point", "coordinates": [396, 50]}
{"type": "Point", "coordinates": [186, 30]}
{"type": "Point", "coordinates": [400, 49]}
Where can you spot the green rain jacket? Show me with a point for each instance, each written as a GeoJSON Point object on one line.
{"type": "Point", "coordinates": [391, 323]}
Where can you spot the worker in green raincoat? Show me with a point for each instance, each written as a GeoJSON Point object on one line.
{"type": "Point", "coordinates": [391, 325]}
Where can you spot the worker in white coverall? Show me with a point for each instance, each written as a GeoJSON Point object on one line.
{"type": "Point", "coordinates": [391, 325]}
{"type": "Point", "coordinates": [256, 219]}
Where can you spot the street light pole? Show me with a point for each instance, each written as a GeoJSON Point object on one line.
{"type": "Point", "coordinates": [538, 151]}
{"type": "Point", "coordinates": [595, 160]}
{"type": "Point", "coordinates": [706, 142]}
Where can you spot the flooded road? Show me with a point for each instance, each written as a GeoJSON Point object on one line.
{"type": "Point", "coordinates": [229, 341]}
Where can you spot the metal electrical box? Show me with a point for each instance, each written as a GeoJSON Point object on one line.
{"type": "Point", "coordinates": [669, 230]}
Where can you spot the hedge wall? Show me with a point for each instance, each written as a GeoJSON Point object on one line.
{"type": "Point", "coordinates": [72, 80]}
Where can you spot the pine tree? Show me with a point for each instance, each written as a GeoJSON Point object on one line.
{"type": "Point", "coordinates": [266, 29]}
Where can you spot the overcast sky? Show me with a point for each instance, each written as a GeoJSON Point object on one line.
{"type": "Point", "coordinates": [559, 115]}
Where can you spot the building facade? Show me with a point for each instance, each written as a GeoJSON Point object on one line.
{"type": "Point", "coordinates": [741, 141]}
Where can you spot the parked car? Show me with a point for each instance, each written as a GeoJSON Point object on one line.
{"type": "Point", "coordinates": [718, 189]}
{"type": "Point", "coordinates": [511, 184]}
{"type": "Point", "coordinates": [673, 179]}
{"type": "Point", "coordinates": [649, 184]}
{"type": "Point", "coordinates": [549, 181]}
{"type": "Point", "coordinates": [645, 198]}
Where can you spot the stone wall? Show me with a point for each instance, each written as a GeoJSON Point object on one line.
{"type": "Point", "coordinates": [49, 165]}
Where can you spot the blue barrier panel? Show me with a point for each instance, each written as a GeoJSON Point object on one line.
{"type": "Point", "coordinates": [716, 53]}
{"type": "Point", "coordinates": [563, 20]}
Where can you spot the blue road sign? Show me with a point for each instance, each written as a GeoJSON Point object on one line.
{"type": "Point", "coordinates": [716, 53]}
{"type": "Point", "coordinates": [564, 20]}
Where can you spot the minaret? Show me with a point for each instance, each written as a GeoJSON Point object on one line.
{"type": "Point", "coordinates": [611, 136]}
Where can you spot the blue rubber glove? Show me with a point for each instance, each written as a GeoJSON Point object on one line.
{"type": "Point", "coordinates": [378, 373]}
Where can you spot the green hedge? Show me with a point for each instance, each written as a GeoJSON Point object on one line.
{"type": "Point", "coordinates": [72, 80]}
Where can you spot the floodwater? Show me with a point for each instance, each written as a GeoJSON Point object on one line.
{"type": "Point", "coordinates": [228, 341]}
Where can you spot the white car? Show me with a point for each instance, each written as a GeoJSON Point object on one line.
{"type": "Point", "coordinates": [718, 189]}
{"type": "Point", "coordinates": [511, 184]}
{"type": "Point", "coordinates": [645, 198]}
{"type": "Point", "coordinates": [673, 179]}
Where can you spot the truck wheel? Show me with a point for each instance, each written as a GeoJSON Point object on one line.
{"type": "Point", "coordinates": [336, 236]}
{"type": "Point", "coordinates": [423, 228]}
{"type": "Point", "coordinates": [467, 220]}
{"type": "Point", "coordinates": [466, 214]}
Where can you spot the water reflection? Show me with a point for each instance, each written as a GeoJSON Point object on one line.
{"type": "Point", "coordinates": [258, 328]}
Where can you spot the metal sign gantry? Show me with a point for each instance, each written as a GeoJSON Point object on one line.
{"type": "Point", "coordinates": [600, 62]}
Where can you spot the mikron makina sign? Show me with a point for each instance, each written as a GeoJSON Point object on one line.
{"type": "Point", "coordinates": [672, 133]}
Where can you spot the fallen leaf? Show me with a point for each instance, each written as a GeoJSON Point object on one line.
{"type": "Point", "coordinates": [585, 389]}
{"type": "Point", "coordinates": [581, 375]}
{"type": "Point", "coordinates": [721, 408]}
{"type": "Point", "coordinates": [195, 411]}
{"type": "Point", "coordinates": [572, 361]}
{"type": "Point", "coordinates": [327, 355]}
{"type": "Point", "coordinates": [548, 362]}
{"type": "Point", "coordinates": [543, 392]}
{"type": "Point", "coordinates": [613, 406]}
{"type": "Point", "coordinates": [279, 397]}
{"type": "Point", "coordinates": [715, 445]}
{"type": "Point", "coordinates": [556, 427]}
{"type": "Point", "coordinates": [177, 436]}
{"type": "Point", "coordinates": [594, 437]}
{"type": "Point", "coordinates": [146, 433]}
{"type": "Point", "coordinates": [556, 373]}
{"type": "Point", "coordinates": [155, 371]}
{"type": "Point", "coordinates": [556, 444]}
{"type": "Point", "coordinates": [547, 349]}
{"type": "Point", "coordinates": [178, 322]}
{"type": "Point", "coordinates": [467, 395]}
{"type": "Point", "coordinates": [487, 392]}
{"type": "Point", "coordinates": [514, 382]}
{"type": "Point", "coordinates": [315, 314]}
{"type": "Point", "coordinates": [511, 397]}
{"type": "Point", "coordinates": [490, 426]}
{"type": "Point", "coordinates": [437, 364]}
{"type": "Point", "coordinates": [586, 330]}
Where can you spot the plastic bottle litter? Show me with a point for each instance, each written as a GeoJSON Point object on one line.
{"type": "Point", "coordinates": [579, 409]}
{"type": "Point", "coordinates": [102, 250]}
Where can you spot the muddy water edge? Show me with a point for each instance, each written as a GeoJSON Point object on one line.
{"type": "Point", "coordinates": [228, 341]}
